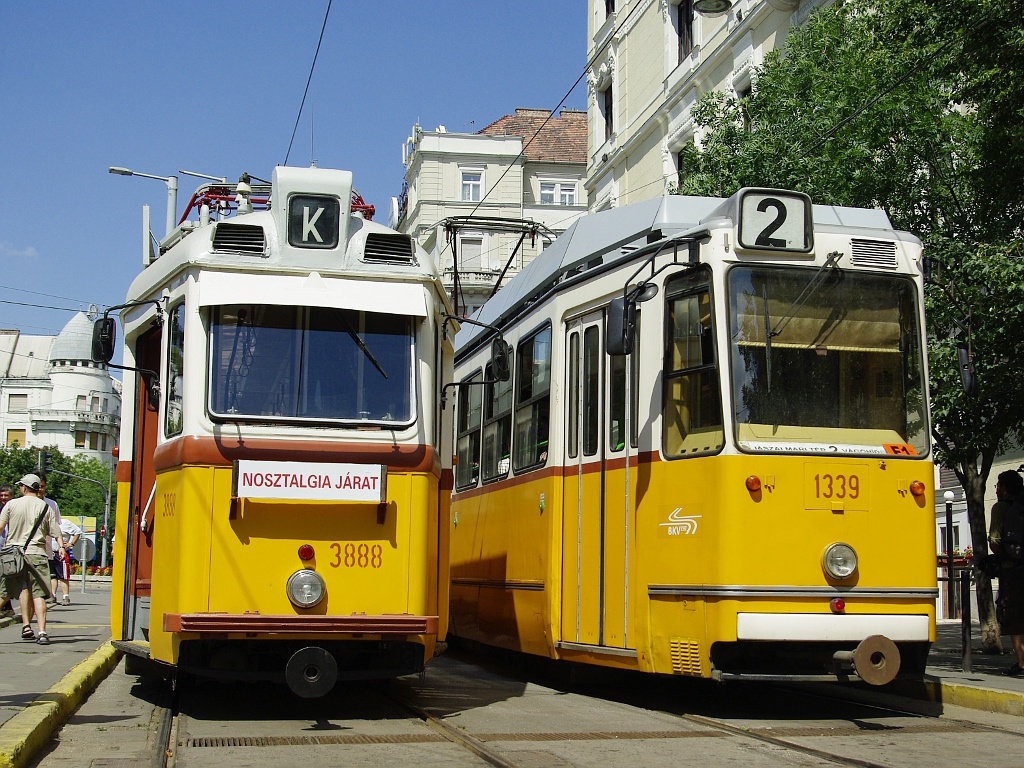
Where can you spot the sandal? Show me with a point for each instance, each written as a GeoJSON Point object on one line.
{"type": "Point", "coordinates": [43, 639]}
{"type": "Point", "coordinates": [27, 633]}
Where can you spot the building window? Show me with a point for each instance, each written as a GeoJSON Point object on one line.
{"type": "Point", "coordinates": [606, 112]}
{"type": "Point", "coordinates": [471, 249]}
{"type": "Point", "coordinates": [103, 443]}
{"type": "Point", "coordinates": [80, 438]}
{"type": "Point", "coordinates": [94, 441]}
{"type": "Point", "coordinates": [472, 184]}
{"type": "Point", "coordinates": [558, 193]}
{"type": "Point", "coordinates": [17, 404]}
{"type": "Point", "coordinates": [15, 438]}
{"type": "Point", "coordinates": [609, 7]}
{"type": "Point", "coordinates": [684, 28]}
{"type": "Point", "coordinates": [94, 404]}
{"type": "Point", "coordinates": [80, 403]}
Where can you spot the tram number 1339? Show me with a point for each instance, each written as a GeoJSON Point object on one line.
{"type": "Point", "coordinates": [826, 486]}
{"type": "Point", "coordinates": [356, 555]}
{"type": "Point", "coordinates": [829, 486]}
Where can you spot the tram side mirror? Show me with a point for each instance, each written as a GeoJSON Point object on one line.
{"type": "Point", "coordinates": [968, 377]}
{"type": "Point", "coordinates": [621, 326]}
{"type": "Point", "coordinates": [104, 334]}
{"type": "Point", "coordinates": [500, 360]}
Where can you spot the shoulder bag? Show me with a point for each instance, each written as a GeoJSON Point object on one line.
{"type": "Point", "coordinates": [12, 557]}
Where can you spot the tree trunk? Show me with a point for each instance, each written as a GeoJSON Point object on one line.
{"type": "Point", "coordinates": [974, 493]}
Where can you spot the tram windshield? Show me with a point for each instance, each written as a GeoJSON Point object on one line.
{"type": "Point", "coordinates": [322, 363]}
{"type": "Point", "coordinates": [828, 362]}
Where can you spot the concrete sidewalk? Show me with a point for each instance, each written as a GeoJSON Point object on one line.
{"type": "Point", "coordinates": [42, 685]}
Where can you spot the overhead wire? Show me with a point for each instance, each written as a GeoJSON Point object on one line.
{"type": "Point", "coordinates": [590, 63]}
{"type": "Point", "coordinates": [308, 81]}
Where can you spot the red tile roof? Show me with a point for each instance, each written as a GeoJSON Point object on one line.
{"type": "Point", "coordinates": [561, 139]}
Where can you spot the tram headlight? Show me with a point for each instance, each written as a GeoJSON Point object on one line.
{"type": "Point", "coordinates": [839, 561]}
{"type": "Point", "coordinates": [306, 588]}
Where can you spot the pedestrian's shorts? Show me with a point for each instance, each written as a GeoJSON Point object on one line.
{"type": "Point", "coordinates": [36, 580]}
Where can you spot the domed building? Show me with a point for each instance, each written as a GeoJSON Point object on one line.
{"type": "Point", "coordinates": [53, 394]}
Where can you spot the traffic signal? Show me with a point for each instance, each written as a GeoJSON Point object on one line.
{"type": "Point", "coordinates": [45, 462]}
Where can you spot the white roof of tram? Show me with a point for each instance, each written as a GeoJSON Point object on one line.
{"type": "Point", "coordinates": [598, 234]}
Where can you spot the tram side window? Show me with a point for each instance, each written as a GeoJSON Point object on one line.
{"type": "Point", "coordinates": [693, 409]}
{"type": "Point", "coordinates": [572, 399]}
{"type": "Point", "coordinates": [497, 431]}
{"type": "Point", "coordinates": [533, 388]}
{"type": "Point", "coordinates": [175, 368]}
{"type": "Point", "coordinates": [467, 449]}
{"type": "Point", "coordinates": [591, 390]}
{"type": "Point", "coordinates": [617, 397]}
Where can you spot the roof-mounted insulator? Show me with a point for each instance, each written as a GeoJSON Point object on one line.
{"type": "Point", "coordinates": [242, 193]}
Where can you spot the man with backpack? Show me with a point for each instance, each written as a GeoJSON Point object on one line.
{"type": "Point", "coordinates": [29, 521]}
{"type": "Point", "coordinates": [1006, 538]}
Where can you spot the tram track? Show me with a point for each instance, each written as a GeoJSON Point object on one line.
{"type": "Point", "coordinates": [492, 716]}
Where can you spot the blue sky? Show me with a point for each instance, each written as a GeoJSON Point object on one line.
{"type": "Point", "coordinates": [215, 88]}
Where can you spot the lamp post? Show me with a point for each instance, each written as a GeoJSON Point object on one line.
{"type": "Point", "coordinates": [948, 496]}
{"type": "Point", "coordinates": [172, 192]}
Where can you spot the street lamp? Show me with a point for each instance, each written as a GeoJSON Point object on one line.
{"type": "Point", "coordinates": [949, 496]}
{"type": "Point", "coordinates": [172, 191]}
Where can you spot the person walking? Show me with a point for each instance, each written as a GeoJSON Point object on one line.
{"type": "Point", "coordinates": [53, 560]}
{"type": "Point", "coordinates": [30, 520]}
{"type": "Point", "coordinates": [1010, 602]}
{"type": "Point", "coordinates": [6, 494]}
{"type": "Point", "coordinates": [72, 533]}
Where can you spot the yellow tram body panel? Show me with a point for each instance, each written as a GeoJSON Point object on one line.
{"type": "Point", "coordinates": [207, 561]}
{"type": "Point", "coordinates": [699, 544]}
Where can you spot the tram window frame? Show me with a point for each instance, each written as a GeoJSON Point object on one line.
{"type": "Point", "coordinates": [617, 394]}
{"type": "Point", "coordinates": [468, 460]}
{"type": "Point", "coordinates": [692, 284]}
{"type": "Point", "coordinates": [173, 385]}
{"type": "Point", "coordinates": [500, 421]}
{"type": "Point", "coordinates": [402, 357]}
{"type": "Point", "coordinates": [572, 389]}
{"type": "Point", "coordinates": [533, 407]}
{"type": "Point", "coordinates": [592, 390]}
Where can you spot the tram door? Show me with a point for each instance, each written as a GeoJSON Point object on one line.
{"type": "Point", "coordinates": [139, 552]}
{"type": "Point", "coordinates": [594, 542]}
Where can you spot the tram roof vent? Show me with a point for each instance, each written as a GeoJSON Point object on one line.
{"type": "Point", "coordinates": [390, 248]}
{"type": "Point", "coordinates": [874, 253]}
{"type": "Point", "coordinates": [239, 238]}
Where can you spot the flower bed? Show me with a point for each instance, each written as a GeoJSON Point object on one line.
{"type": "Point", "coordinates": [92, 570]}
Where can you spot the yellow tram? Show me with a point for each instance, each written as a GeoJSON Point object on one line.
{"type": "Point", "coordinates": [712, 455]}
{"type": "Point", "coordinates": [284, 464]}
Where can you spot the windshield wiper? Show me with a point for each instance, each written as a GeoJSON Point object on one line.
{"type": "Point", "coordinates": [808, 291]}
{"type": "Point", "coordinates": [361, 344]}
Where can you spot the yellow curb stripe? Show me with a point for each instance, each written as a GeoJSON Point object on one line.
{"type": "Point", "coordinates": [27, 732]}
{"type": "Point", "coordinates": [986, 699]}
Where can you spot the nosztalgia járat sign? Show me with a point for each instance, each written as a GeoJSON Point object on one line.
{"type": "Point", "coordinates": [310, 481]}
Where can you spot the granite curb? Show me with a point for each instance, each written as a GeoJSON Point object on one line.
{"type": "Point", "coordinates": [27, 732]}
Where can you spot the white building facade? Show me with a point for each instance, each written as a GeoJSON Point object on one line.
{"type": "Point", "coordinates": [468, 198]}
{"type": "Point", "coordinates": [53, 394]}
{"type": "Point", "coordinates": [651, 60]}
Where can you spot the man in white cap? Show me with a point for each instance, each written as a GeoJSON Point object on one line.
{"type": "Point", "coordinates": [19, 517]}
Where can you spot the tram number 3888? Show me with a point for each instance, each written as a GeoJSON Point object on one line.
{"type": "Point", "coordinates": [356, 555]}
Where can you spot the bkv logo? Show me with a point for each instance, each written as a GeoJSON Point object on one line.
{"type": "Point", "coordinates": [681, 525]}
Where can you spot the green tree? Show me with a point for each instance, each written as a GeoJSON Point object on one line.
{"type": "Point", "coordinates": [912, 106]}
{"type": "Point", "coordinates": [73, 495]}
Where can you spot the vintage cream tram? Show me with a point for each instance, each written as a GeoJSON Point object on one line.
{"type": "Point", "coordinates": [712, 455]}
{"type": "Point", "coordinates": [285, 470]}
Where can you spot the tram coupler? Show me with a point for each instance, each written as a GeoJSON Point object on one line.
{"type": "Point", "coordinates": [876, 659]}
{"type": "Point", "coordinates": [311, 672]}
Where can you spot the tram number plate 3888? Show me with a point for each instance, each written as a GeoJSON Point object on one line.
{"type": "Point", "coordinates": [350, 555]}
{"type": "Point", "coordinates": [835, 486]}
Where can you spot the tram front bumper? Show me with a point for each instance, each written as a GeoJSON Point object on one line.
{"type": "Point", "coordinates": [387, 625]}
